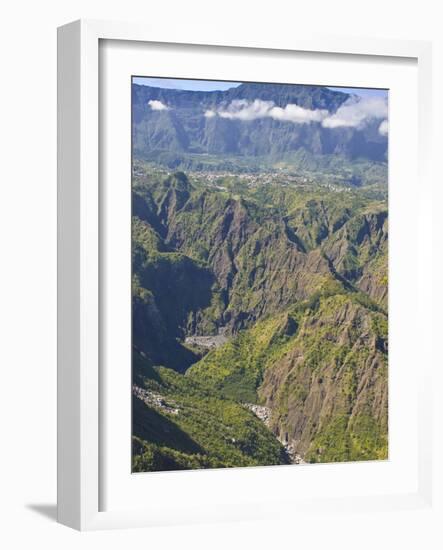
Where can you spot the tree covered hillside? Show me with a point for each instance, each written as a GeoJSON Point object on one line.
{"type": "Point", "coordinates": [259, 319]}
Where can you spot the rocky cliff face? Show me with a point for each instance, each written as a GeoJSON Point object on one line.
{"type": "Point", "coordinates": [359, 252]}
{"type": "Point", "coordinates": [328, 392]}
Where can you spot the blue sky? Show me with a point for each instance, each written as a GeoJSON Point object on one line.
{"type": "Point", "coordinates": [363, 92]}
{"type": "Point", "coordinates": [182, 84]}
{"type": "Point", "coordinates": [210, 85]}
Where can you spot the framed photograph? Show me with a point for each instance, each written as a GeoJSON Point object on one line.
{"type": "Point", "coordinates": [242, 274]}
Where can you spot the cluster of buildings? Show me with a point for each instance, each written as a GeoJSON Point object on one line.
{"type": "Point", "coordinates": [153, 399]}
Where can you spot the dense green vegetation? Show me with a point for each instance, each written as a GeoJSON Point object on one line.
{"type": "Point", "coordinates": [207, 432]}
{"type": "Point", "coordinates": [308, 347]}
{"type": "Point", "coordinates": [293, 274]}
{"type": "Point", "coordinates": [236, 369]}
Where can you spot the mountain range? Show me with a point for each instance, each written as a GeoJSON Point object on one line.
{"type": "Point", "coordinates": [269, 123]}
{"type": "Point", "coordinates": [289, 283]}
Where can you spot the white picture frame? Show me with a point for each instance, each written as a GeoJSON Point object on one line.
{"type": "Point", "coordinates": [79, 263]}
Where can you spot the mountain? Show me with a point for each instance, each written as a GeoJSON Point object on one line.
{"type": "Point", "coordinates": [263, 123]}
{"type": "Point", "coordinates": [320, 368]}
{"type": "Point", "coordinates": [288, 283]}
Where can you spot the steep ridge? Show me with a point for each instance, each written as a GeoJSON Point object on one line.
{"type": "Point", "coordinates": [321, 369]}
{"type": "Point", "coordinates": [296, 280]}
{"type": "Point", "coordinates": [359, 252]}
{"type": "Point", "coordinates": [258, 262]}
{"type": "Point", "coordinates": [328, 393]}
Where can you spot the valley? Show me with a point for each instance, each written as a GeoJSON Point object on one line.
{"type": "Point", "coordinates": [260, 329]}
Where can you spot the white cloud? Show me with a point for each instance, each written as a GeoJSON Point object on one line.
{"type": "Point", "coordinates": [383, 129]}
{"type": "Point", "coordinates": [294, 113]}
{"type": "Point", "coordinates": [157, 105]}
{"type": "Point", "coordinates": [242, 109]}
{"type": "Point", "coordinates": [356, 112]}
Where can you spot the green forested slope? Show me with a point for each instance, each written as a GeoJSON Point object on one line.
{"type": "Point", "coordinates": [208, 431]}
{"type": "Point", "coordinates": [296, 278]}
